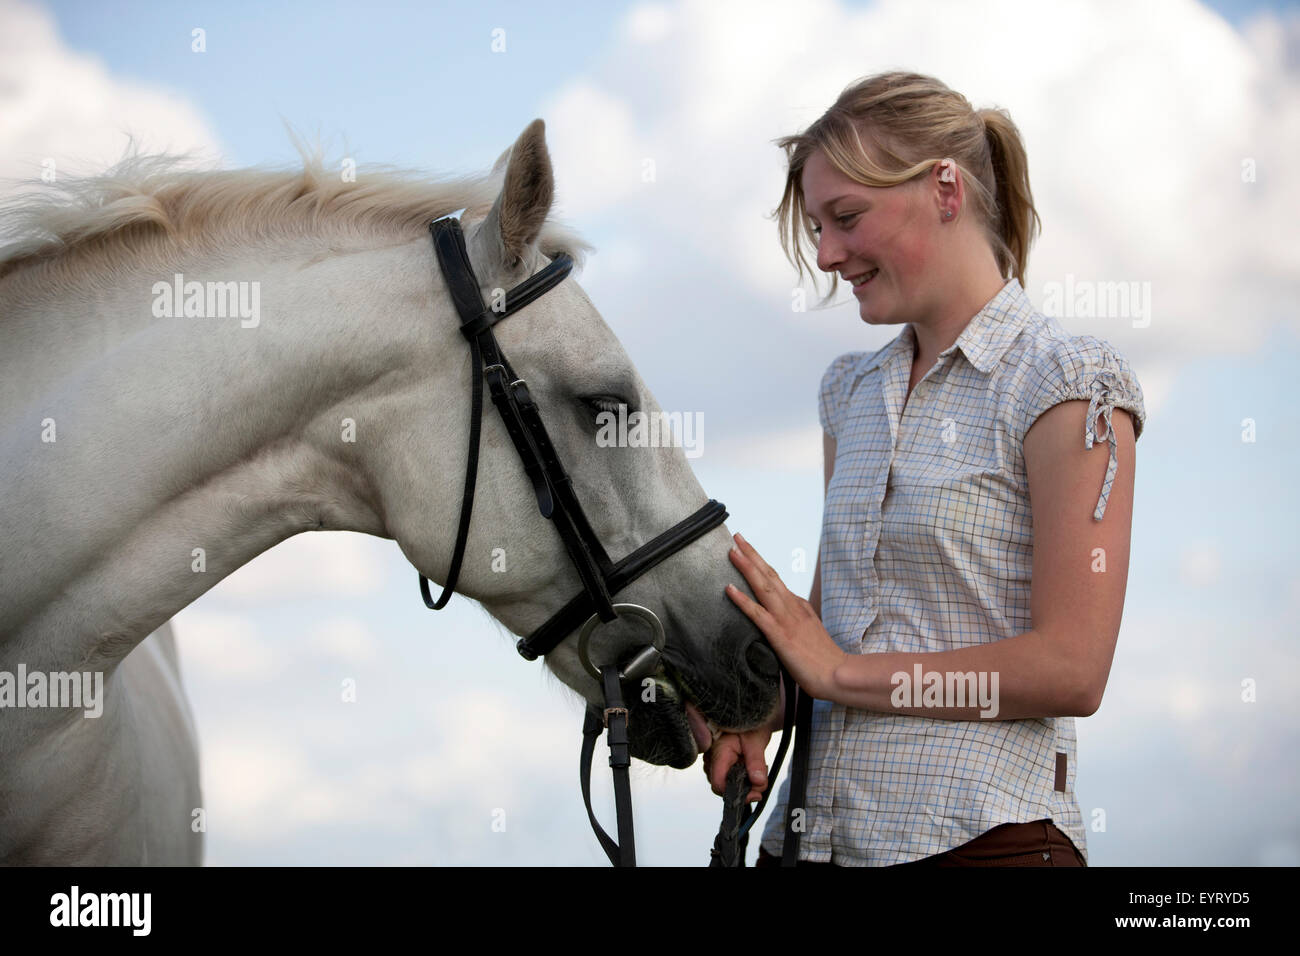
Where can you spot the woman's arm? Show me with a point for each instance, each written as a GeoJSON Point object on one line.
{"type": "Point", "coordinates": [1058, 668]}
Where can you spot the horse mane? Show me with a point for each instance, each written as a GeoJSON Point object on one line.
{"type": "Point", "coordinates": [148, 205]}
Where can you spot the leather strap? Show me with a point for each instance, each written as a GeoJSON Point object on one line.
{"type": "Point", "coordinates": [622, 853]}
{"type": "Point", "coordinates": [798, 780]}
{"type": "Point", "coordinates": [453, 259]}
{"type": "Point", "coordinates": [520, 415]}
{"type": "Point", "coordinates": [570, 617]}
{"type": "Point", "coordinates": [467, 498]}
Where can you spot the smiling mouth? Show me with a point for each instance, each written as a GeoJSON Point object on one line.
{"type": "Point", "coordinates": [860, 280]}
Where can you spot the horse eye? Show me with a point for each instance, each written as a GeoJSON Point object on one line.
{"type": "Point", "coordinates": [605, 403]}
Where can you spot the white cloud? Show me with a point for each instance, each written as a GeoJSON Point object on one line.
{"type": "Point", "coordinates": [1137, 119]}
{"type": "Point", "coordinates": [60, 104]}
{"type": "Point", "coordinates": [610, 154]}
{"type": "Point", "coordinates": [648, 22]}
{"type": "Point", "coordinates": [795, 449]}
{"type": "Point", "coordinates": [256, 788]}
{"type": "Point", "coordinates": [489, 757]}
{"type": "Point", "coordinates": [267, 782]}
{"type": "Point", "coordinates": [1157, 380]}
{"type": "Point", "coordinates": [335, 563]}
{"type": "Point", "coordinates": [346, 639]}
{"type": "Point", "coordinates": [225, 646]}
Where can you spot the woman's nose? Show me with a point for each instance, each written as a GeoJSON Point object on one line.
{"type": "Point", "coordinates": [829, 253]}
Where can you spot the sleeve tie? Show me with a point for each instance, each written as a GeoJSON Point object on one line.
{"type": "Point", "coordinates": [1102, 403]}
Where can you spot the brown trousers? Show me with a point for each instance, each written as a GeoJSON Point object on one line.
{"type": "Point", "coordinates": [1039, 843]}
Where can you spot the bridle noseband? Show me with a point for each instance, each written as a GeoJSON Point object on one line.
{"type": "Point", "coordinates": [601, 577]}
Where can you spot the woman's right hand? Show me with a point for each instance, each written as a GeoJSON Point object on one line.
{"type": "Point", "coordinates": [749, 746]}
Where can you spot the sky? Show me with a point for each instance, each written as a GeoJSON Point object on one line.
{"type": "Point", "coordinates": [1140, 121]}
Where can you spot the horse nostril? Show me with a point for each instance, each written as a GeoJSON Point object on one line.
{"type": "Point", "coordinates": [762, 660]}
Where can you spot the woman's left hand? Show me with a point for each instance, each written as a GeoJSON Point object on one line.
{"type": "Point", "coordinates": [789, 622]}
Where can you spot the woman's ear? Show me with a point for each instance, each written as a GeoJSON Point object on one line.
{"type": "Point", "coordinates": [948, 181]}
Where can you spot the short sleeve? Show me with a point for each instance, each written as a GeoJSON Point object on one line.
{"type": "Point", "coordinates": [836, 384]}
{"type": "Point", "coordinates": [1089, 369]}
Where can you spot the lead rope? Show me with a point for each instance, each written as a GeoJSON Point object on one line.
{"type": "Point", "coordinates": [733, 837]}
{"type": "Point", "coordinates": [729, 846]}
{"type": "Point", "coordinates": [732, 841]}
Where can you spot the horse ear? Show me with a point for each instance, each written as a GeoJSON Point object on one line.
{"type": "Point", "coordinates": [499, 167]}
{"type": "Point", "coordinates": [526, 195]}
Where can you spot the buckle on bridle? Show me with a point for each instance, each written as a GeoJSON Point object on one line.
{"type": "Point", "coordinates": [616, 710]}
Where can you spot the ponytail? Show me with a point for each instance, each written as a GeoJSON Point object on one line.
{"type": "Point", "coordinates": [1017, 219]}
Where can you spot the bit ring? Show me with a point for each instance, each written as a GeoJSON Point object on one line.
{"type": "Point", "coordinates": [635, 610]}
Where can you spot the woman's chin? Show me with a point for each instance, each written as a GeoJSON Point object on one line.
{"type": "Point", "coordinates": [872, 315]}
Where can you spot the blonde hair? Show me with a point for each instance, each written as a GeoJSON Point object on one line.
{"type": "Point", "coordinates": [913, 122]}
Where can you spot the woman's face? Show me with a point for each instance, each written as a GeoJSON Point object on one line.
{"type": "Point", "coordinates": [892, 233]}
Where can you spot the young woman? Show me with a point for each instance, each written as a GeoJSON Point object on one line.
{"type": "Point", "coordinates": [979, 494]}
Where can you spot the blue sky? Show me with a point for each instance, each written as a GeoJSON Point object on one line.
{"type": "Point", "coordinates": [1186, 773]}
{"type": "Point", "coordinates": [400, 94]}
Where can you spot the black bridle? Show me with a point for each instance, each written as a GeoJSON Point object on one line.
{"type": "Point", "coordinates": [601, 577]}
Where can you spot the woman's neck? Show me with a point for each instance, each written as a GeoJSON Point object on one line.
{"type": "Point", "coordinates": [942, 329]}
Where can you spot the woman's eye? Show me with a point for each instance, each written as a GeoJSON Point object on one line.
{"type": "Point", "coordinates": [845, 221]}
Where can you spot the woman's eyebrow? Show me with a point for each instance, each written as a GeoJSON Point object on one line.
{"type": "Point", "coordinates": [832, 202]}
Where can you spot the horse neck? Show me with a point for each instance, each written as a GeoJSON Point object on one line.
{"type": "Point", "coordinates": [182, 447]}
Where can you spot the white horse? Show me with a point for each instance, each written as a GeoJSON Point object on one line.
{"type": "Point", "coordinates": [147, 452]}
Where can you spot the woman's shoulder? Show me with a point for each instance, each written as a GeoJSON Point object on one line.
{"type": "Point", "coordinates": [838, 382]}
{"type": "Point", "coordinates": [846, 370]}
{"type": "Point", "coordinates": [842, 367]}
{"type": "Point", "coordinates": [1051, 366]}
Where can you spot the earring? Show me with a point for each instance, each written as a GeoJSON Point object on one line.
{"type": "Point", "coordinates": [947, 214]}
